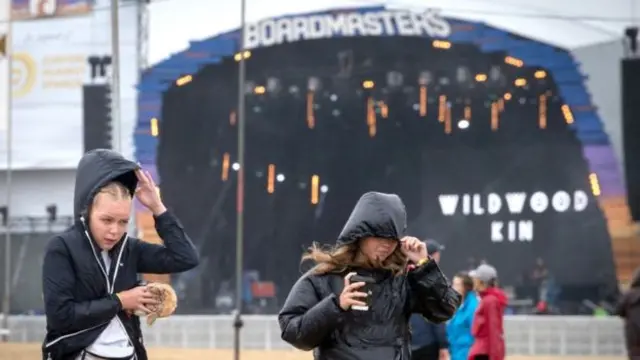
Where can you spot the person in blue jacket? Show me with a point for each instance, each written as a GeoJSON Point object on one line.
{"type": "Point", "coordinates": [459, 327]}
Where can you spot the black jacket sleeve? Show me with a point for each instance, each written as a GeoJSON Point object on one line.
{"type": "Point", "coordinates": [441, 335]}
{"type": "Point", "coordinates": [305, 319]}
{"type": "Point", "coordinates": [621, 307]}
{"type": "Point", "coordinates": [64, 314]}
{"type": "Point", "coordinates": [177, 254]}
{"type": "Point", "coordinates": [430, 294]}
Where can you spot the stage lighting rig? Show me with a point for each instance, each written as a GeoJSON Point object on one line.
{"type": "Point", "coordinates": [345, 63]}
{"type": "Point", "coordinates": [273, 85]}
{"type": "Point", "coordinates": [395, 79]}
{"type": "Point", "coordinates": [294, 90]}
{"type": "Point", "coordinates": [249, 87]}
{"type": "Point", "coordinates": [425, 78]}
{"type": "Point", "coordinates": [496, 77]}
{"type": "Point", "coordinates": [463, 75]}
{"type": "Point", "coordinates": [314, 84]}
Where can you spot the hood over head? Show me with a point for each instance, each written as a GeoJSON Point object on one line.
{"type": "Point", "coordinates": [97, 168]}
{"type": "Point", "coordinates": [375, 215]}
{"type": "Point", "coordinates": [502, 298]}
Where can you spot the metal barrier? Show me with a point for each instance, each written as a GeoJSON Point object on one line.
{"type": "Point", "coordinates": [525, 335]}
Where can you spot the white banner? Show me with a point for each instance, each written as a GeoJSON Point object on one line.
{"type": "Point", "coordinates": [374, 23]}
{"type": "Point", "coordinates": [52, 60]}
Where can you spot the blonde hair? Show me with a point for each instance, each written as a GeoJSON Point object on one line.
{"type": "Point", "coordinates": [116, 190]}
{"type": "Point", "coordinates": [340, 258]}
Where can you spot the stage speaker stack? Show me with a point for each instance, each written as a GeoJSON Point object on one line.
{"type": "Point", "coordinates": [630, 79]}
{"type": "Point", "coordinates": [96, 106]}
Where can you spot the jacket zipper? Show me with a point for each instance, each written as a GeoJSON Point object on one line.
{"type": "Point", "coordinates": [110, 288]}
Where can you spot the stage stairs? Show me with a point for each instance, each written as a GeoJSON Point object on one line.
{"type": "Point", "coordinates": [625, 237]}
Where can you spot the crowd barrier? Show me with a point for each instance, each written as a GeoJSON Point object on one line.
{"type": "Point", "coordinates": [525, 335]}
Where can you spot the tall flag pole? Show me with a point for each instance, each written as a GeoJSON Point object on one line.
{"type": "Point", "coordinates": [6, 53]}
{"type": "Point", "coordinates": [237, 323]}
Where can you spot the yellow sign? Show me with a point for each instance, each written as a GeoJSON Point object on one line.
{"type": "Point", "coordinates": [23, 74]}
{"type": "Point", "coordinates": [49, 72]}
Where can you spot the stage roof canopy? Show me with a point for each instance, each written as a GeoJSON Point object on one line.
{"type": "Point", "coordinates": [566, 23]}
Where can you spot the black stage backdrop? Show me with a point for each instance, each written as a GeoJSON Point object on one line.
{"type": "Point", "coordinates": [509, 204]}
{"type": "Point", "coordinates": [410, 155]}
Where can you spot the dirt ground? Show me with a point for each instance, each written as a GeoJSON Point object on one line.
{"type": "Point", "coordinates": [32, 352]}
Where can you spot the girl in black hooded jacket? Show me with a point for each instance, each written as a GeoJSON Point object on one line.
{"type": "Point", "coordinates": [323, 311]}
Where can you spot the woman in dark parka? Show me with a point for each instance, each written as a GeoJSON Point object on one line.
{"type": "Point", "coordinates": [322, 312]}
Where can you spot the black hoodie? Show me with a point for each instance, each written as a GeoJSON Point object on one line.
{"type": "Point", "coordinates": [311, 317]}
{"type": "Point", "coordinates": [79, 297]}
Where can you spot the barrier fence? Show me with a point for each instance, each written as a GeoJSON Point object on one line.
{"type": "Point", "coordinates": [525, 335]}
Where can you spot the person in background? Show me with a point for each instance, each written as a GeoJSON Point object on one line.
{"type": "Point", "coordinates": [487, 327]}
{"type": "Point", "coordinates": [539, 277]}
{"type": "Point", "coordinates": [628, 309]}
{"type": "Point", "coordinates": [429, 340]}
{"type": "Point", "coordinates": [459, 327]}
{"type": "Point", "coordinates": [366, 319]}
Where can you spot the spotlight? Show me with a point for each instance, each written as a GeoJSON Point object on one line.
{"type": "Point", "coordinates": [540, 74]}
{"type": "Point", "coordinates": [394, 79]}
{"type": "Point", "coordinates": [462, 74]}
{"type": "Point", "coordinates": [425, 78]}
{"type": "Point", "coordinates": [313, 84]}
{"type": "Point", "coordinates": [235, 166]}
{"type": "Point", "coordinates": [324, 189]}
{"type": "Point", "coordinates": [293, 90]}
{"type": "Point", "coordinates": [463, 124]}
{"type": "Point", "coordinates": [273, 85]}
{"type": "Point", "coordinates": [280, 178]}
{"type": "Point", "coordinates": [481, 77]}
{"type": "Point", "coordinates": [333, 97]}
{"type": "Point", "coordinates": [249, 87]}
{"type": "Point", "coordinates": [495, 74]}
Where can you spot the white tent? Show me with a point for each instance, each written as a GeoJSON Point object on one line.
{"type": "Point", "coordinates": [566, 23]}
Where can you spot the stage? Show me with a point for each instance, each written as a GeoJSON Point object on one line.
{"type": "Point", "coordinates": [490, 138]}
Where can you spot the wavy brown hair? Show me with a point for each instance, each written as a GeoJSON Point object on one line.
{"type": "Point", "coordinates": [338, 259]}
{"type": "Point", "coordinates": [467, 283]}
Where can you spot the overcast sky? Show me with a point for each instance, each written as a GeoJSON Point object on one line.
{"type": "Point", "coordinates": [567, 23]}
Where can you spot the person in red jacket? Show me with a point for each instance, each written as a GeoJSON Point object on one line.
{"type": "Point", "coordinates": [487, 329]}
